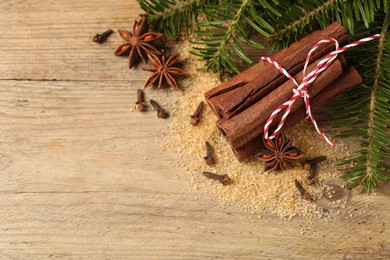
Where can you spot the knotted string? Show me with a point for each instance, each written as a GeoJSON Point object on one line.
{"type": "Point", "coordinates": [302, 88]}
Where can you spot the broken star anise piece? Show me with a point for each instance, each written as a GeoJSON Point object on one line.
{"type": "Point", "coordinates": [163, 70]}
{"type": "Point", "coordinates": [139, 44]}
{"type": "Point", "coordinates": [278, 153]}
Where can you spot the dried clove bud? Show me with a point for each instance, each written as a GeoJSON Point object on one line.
{"type": "Point", "coordinates": [194, 119]}
{"type": "Point", "coordinates": [208, 158]}
{"type": "Point", "coordinates": [302, 191]}
{"type": "Point", "coordinates": [140, 104]}
{"type": "Point", "coordinates": [100, 38]}
{"type": "Point", "coordinates": [160, 111]}
{"type": "Point", "coordinates": [312, 165]}
{"type": "Point", "coordinates": [224, 179]}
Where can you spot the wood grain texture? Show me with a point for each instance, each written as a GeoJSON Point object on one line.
{"type": "Point", "coordinates": [82, 176]}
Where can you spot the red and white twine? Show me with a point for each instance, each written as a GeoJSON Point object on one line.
{"type": "Point", "coordinates": [302, 88]}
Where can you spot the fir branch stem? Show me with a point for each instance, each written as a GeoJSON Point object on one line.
{"type": "Point", "coordinates": [304, 18]}
{"type": "Point", "coordinates": [178, 8]}
{"type": "Point", "coordinates": [229, 32]}
{"type": "Point", "coordinates": [373, 99]}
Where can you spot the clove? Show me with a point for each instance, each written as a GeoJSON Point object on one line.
{"type": "Point", "coordinates": [313, 166]}
{"type": "Point", "coordinates": [208, 158]}
{"type": "Point", "coordinates": [302, 191]}
{"type": "Point", "coordinates": [140, 104]}
{"type": "Point", "coordinates": [224, 179]}
{"type": "Point", "coordinates": [100, 38]}
{"type": "Point", "coordinates": [194, 119]}
{"type": "Point", "coordinates": [160, 111]}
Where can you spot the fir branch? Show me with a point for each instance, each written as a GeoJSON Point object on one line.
{"type": "Point", "coordinates": [364, 112]}
{"type": "Point", "coordinates": [373, 99]}
{"type": "Point", "coordinates": [373, 174]}
{"type": "Point", "coordinates": [227, 27]}
{"type": "Point", "coordinates": [282, 22]}
{"type": "Point", "coordinates": [225, 32]}
{"type": "Point", "coordinates": [170, 16]}
{"type": "Point", "coordinates": [321, 13]}
{"type": "Point", "coordinates": [308, 15]}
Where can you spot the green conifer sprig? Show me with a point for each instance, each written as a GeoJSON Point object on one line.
{"type": "Point", "coordinates": [364, 112]}
{"type": "Point", "coordinates": [221, 36]}
{"type": "Point", "coordinates": [231, 23]}
{"type": "Point", "coordinates": [172, 16]}
{"type": "Point", "coordinates": [221, 31]}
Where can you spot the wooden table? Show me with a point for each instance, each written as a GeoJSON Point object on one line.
{"type": "Point", "coordinates": [82, 176]}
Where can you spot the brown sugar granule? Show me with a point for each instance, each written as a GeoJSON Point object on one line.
{"type": "Point", "coordinates": [253, 189]}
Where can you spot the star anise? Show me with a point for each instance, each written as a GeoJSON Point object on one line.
{"type": "Point", "coordinates": [163, 70]}
{"type": "Point", "coordinates": [139, 44]}
{"type": "Point", "coordinates": [278, 153]}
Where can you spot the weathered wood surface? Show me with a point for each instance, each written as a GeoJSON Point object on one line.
{"type": "Point", "coordinates": [82, 176]}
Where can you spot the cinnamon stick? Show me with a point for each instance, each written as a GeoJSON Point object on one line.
{"type": "Point", "coordinates": [244, 127]}
{"type": "Point", "coordinates": [238, 93]}
{"type": "Point", "coordinates": [349, 79]}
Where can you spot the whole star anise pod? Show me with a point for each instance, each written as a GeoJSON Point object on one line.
{"type": "Point", "coordinates": [278, 153]}
{"type": "Point", "coordinates": [163, 70]}
{"type": "Point", "coordinates": [139, 44]}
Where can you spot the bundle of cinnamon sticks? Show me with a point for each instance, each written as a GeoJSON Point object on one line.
{"type": "Point", "coordinates": [244, 103]}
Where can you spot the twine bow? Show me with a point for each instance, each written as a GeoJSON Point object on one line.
{"type": "Point", "coordinates": [302, 88]}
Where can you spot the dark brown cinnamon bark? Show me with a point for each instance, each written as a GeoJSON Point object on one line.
{"type": "Point", "coordinates": [349, 79]}
{"type": "Point", "coordinates": [240, 92]}
{"type": "Point", "coordinates": [244, 127]}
